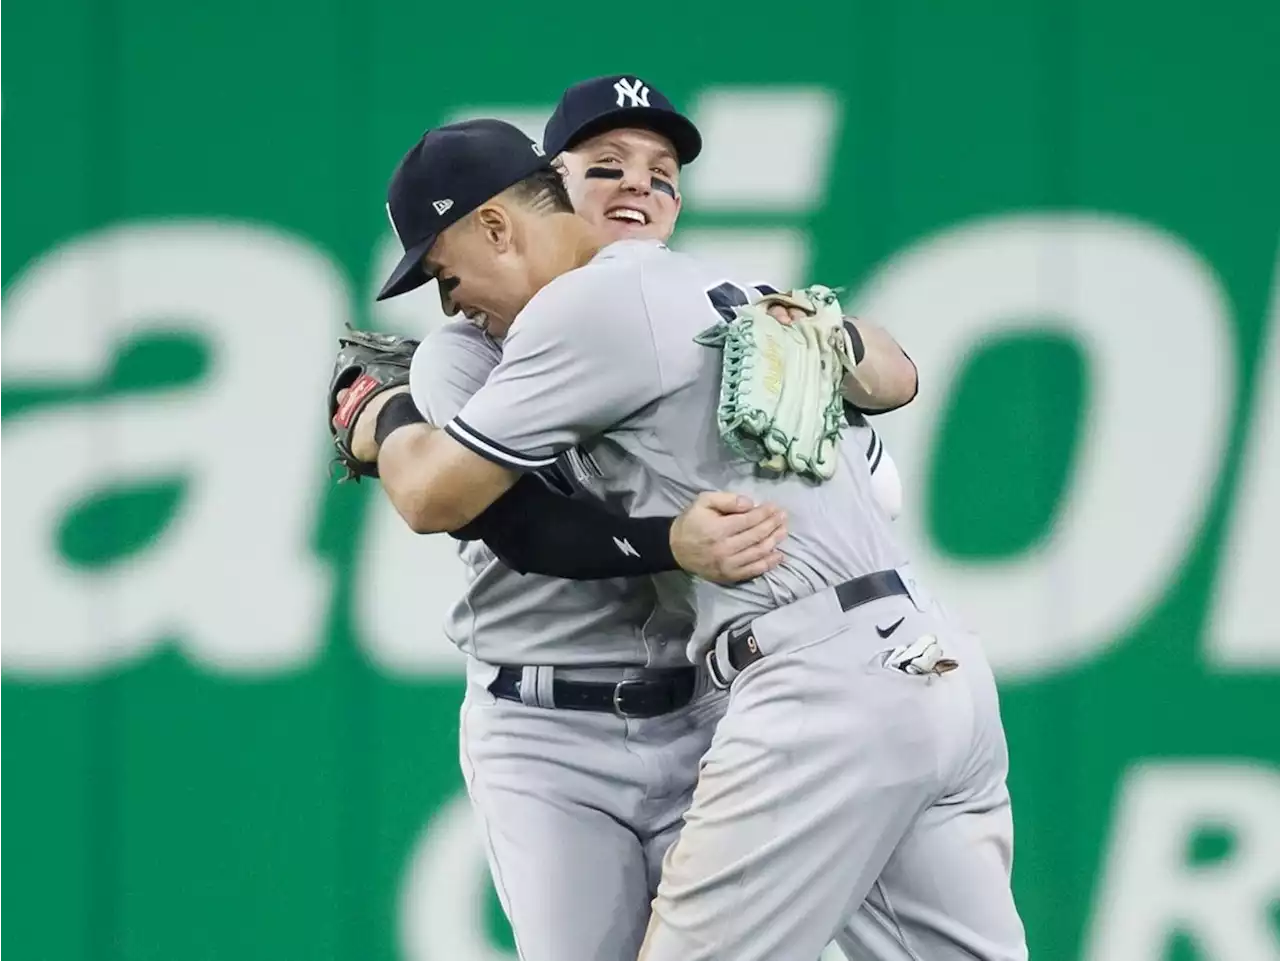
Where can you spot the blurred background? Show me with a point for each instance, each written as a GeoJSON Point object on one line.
{"type": "Point", "coordinates": [229, 714]}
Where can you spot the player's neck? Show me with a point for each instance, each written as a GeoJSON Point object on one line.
{"type": "Point", "coordinates": [576, 241]}
{"type": "Point", "coordinates": [565, 242]}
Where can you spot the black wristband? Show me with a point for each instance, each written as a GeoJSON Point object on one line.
{"type": "Point", "coordinates": [859, 348]}
{"type": "Point", "coordinates": [399, 411]}
{"type": "Point", "coordinates": [651, 537]}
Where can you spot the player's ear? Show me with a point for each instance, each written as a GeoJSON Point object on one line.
{"type": "Point", "coordinates": [495, 224]}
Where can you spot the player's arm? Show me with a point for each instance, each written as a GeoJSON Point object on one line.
{"type": "Point", "coordinates": [534, 528]}
{"type": "Point", "coordinates": [559, 382]}
{"type": "Point", "coordinates": [528, 526]}
{"type": "Point", "coordinates": [720, 537]}
{"type": "Point", "coordinates": [444, 479]}
{"type": "Point", "coordinates": [434, 483]}
{"type": "Point", "coordinates": [448, 367]}
{"type": "Point", "coordinates": [884, 378]}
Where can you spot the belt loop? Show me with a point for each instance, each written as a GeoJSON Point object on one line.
{"type": "Point", "coordinates": [544, 686]}
{"type": "Point", "coordinates": [720, 667]}
{"type": "Point", "coordinates": [535, 686]}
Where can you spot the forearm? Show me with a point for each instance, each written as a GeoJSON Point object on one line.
{"type": "Point", "coordinates": [885, 378]}
{"type": "Point", "coordinates": [409, 477]}
{"type": "Point", "coordinates": [534, 530]}
{"type": "Point", "coordinates": [434, 482]}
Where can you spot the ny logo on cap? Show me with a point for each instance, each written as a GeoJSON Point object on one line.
{"type": "Point", "coordinates": [441, 206]}
{"type": "Point", "coordinates": [632, 90]}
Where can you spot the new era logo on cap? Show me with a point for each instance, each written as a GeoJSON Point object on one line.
{"type": "Point", "coordinates": [441, 205]}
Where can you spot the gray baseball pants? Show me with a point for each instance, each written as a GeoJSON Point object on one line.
{"type": "Point", "coordinates": [844, 798]}
{"type": "Point", "coordinates": [578, 808]}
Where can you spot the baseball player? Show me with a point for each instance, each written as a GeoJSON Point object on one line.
{"type": "Point", "coordinates": [598, 796]}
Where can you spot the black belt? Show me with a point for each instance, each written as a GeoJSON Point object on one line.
{"type": "Point", "coordinates": [743, 650]}
{"type": "Point", "coordinates": [630, 697]}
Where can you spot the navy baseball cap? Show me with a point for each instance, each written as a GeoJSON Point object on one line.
{"type": "Point", "coordinates": [450, 172]}
{"type": "Point", "coordinates": [623, 100]}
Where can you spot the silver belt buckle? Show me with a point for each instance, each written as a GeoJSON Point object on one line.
{"type": "Point", "coordinates": [618, 688]}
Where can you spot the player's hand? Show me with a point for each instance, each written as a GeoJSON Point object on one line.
{"type": "Point", "coordinates": [363, 444]}
{"type": "Point", "coordinates": [786, 315]}
{"type": "Point", "coordinates": [726, 538]}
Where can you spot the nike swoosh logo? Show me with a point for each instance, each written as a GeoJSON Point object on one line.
{"type": "Point", "coordinates": [886, 631]}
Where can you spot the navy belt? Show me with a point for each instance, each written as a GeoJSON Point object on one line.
{"type": "Point", "coordinates": [743, 650]}
{"type": "Point", "coordinates": [631, 697]}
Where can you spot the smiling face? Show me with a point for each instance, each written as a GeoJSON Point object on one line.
{"type": "Point", "coordinates": [478, 270]}
{"type": "Point", "coordinates": [627, 182]}
{"type": "Point", "coordinates": [490, 264]}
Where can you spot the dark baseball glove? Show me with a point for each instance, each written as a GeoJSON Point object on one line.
{"type": "Point", "coordinates": [367, 364]}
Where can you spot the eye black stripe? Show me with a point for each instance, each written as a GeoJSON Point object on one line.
{"type": "Point", "coordinates": [663, 186]}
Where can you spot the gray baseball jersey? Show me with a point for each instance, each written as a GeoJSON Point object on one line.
{"type": "Point", "coordinates": [510, 618]}
{"type": "Point", "coordinates": [607, 352]}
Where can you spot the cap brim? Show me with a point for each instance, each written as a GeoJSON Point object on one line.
{"type": "Point", "coordinates": [675, 127]}
{"type": "Point", "coordinates": [408, 274]}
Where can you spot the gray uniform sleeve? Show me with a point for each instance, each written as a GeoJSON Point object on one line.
{"type": "Point", "coordinates": [579, 359]}
{"type": "Point", "coordinates": [531, 528]}
{"type": "Point", "coordinates": [449, 366]}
